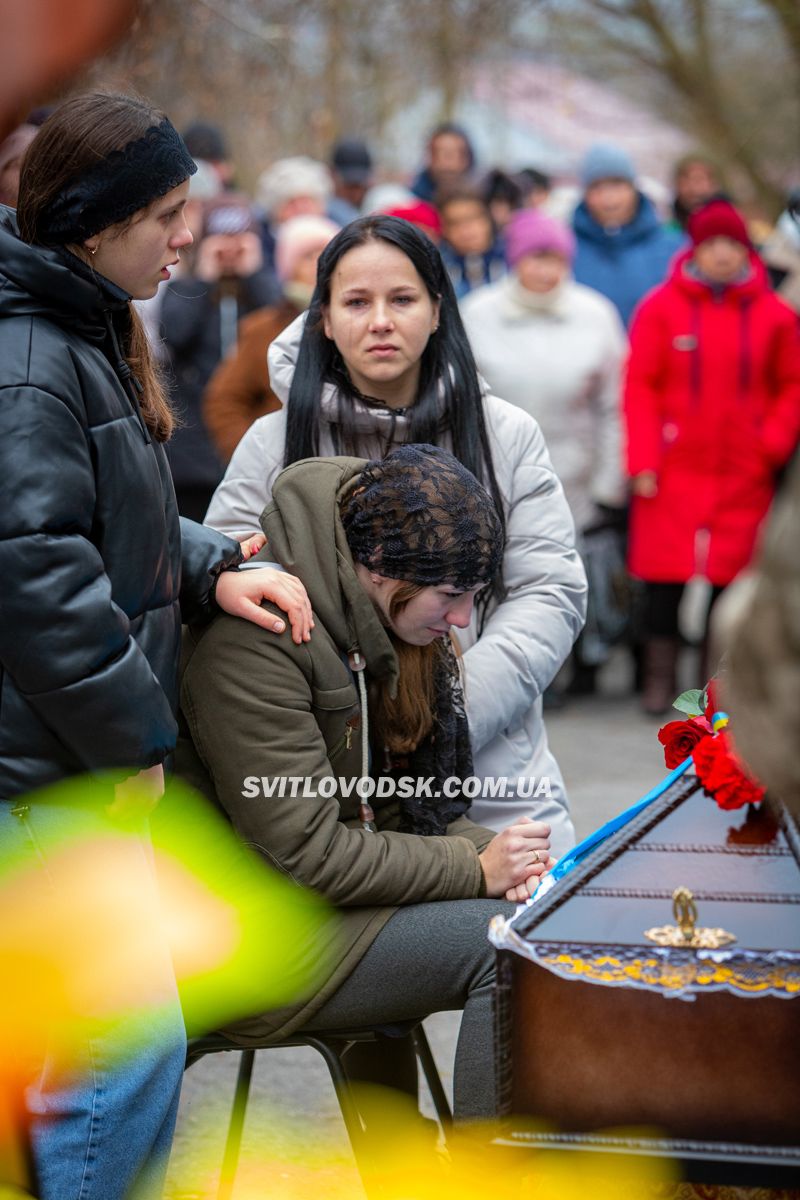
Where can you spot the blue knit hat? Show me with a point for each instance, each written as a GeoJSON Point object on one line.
{"type": "Point", "coordinates": [603, 161]}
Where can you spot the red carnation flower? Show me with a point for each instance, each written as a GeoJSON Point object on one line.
{"type": "Point", "coordinates": [679, 739]}
{"type": "Point", "coordinates": [721, 774]}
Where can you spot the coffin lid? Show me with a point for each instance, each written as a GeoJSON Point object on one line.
{"type": "Point", "coordinates": [742, 867]}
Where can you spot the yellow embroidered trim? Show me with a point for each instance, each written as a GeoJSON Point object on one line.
{"type": "Point", "coordinates": [750, 979]}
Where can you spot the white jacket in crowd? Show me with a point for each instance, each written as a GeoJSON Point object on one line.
{"type": "Point", "coordinates": [558, 356]}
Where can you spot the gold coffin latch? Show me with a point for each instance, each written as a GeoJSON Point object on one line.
{"type": "Point", "coordinates": [687, 932]}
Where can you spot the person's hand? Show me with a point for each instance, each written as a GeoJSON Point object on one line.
{"type": "Point", "coordinates": [250, 543]}
{"type": "Point", "coordinates": [247, 257]}
{"type": "Point", "coordinates": [137, 795]}
{"type": "Point", "coordinates": [606, 516]}
{"type": "Point", "coordinates": [519, 853]}
{"type": "Point", "coordinates": [523, 891]}
{"type": "Point", "coordinates": [240, 593]}
{"type": "Point", "coordinates": [209, 262]}
{"type": "Point", "coordinates": [645, 484]}
{"type": "Point", "coordinates": [228, 255]}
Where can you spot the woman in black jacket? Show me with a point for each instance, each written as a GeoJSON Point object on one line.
{"type": "Point", "coordinates": [98, 570]}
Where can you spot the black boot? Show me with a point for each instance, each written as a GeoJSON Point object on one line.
{"type": "Point", "coordinates": [660, 675]}
{"type": "Point", "coordinates": [584, 680]}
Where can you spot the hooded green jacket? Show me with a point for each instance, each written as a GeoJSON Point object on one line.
{"type": "Point", "coordinates": [259, 708]}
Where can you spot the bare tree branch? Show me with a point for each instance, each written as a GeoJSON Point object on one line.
{"type": "Point", "coordinates": [686, 55]}
{"type": "Point", "coordinates": [260, 30]}
{"type": "Point", "coordinates": [289, 75]}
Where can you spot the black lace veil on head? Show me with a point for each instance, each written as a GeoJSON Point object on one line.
{"type": "Point", "coordinates": [419, 515]}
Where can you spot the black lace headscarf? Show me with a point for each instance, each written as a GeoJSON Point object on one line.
{"type": "Point", "coordinates": [117, 186]}
{"type": "Point", "coordinates": [420, 516]}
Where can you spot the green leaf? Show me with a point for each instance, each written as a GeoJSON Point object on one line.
{"type": "Point", "coordinates": [690, 702]}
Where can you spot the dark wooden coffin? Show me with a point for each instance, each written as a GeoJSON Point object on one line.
{"type": "Point", "coordinates": [693, 1054]}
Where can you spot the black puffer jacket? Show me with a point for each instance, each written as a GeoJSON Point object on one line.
{"type": "Point", "coordinates": [96, 570]}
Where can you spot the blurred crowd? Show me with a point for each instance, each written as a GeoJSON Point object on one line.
{"type": "Point", "coordinates": [657, 348]}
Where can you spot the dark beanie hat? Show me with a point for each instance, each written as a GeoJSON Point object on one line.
{"type": "Point", "coordinates": [718, 218]}
{"type": "Point", "coordinates": [204, 140]}
{"type": "Point", "coordinates": [352, 160]}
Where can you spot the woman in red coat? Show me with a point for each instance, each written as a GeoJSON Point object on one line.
{"type": "Point", "coordinates": [712, 405]}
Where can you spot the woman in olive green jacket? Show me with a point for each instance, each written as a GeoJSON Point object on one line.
{"type": "Point", "coordinates": [345, 761]}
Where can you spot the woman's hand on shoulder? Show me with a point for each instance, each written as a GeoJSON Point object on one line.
{"type": "Point", "coordinates": [240, 593]}
{"type": "Point", "coordinates": [515, 859]}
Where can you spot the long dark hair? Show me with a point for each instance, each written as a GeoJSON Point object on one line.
{"type": "Point", "coordinates": [449, 398]}
{"type": "Point", "coordinates": [79, 133]}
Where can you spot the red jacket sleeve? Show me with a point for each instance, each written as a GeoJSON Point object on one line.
{"type": "Point", "coordinates": [781, 428]}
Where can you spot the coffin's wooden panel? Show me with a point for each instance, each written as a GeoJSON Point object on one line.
{"type": "Point", "coordinates": [718, 1068]}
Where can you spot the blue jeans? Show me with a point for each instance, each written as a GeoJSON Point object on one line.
{"type": "Point", "coordinates": [102, 1129]}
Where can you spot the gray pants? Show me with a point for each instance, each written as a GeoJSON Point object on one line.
{"type": "Point", "coordinates": [429, 958]}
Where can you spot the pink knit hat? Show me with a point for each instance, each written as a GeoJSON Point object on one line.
{"type": "Point", "coordinates": [296, 237]}
{"type": "Point", "coordinates": [530, 231]}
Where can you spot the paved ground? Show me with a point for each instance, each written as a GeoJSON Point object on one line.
{"type": "Point", "coordinates": [295, 1144]}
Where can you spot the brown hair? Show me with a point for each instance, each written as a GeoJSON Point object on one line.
{"type": "Point", "coordinates": [81, 132]}
{"type": "Point", "coordinates": [402, 723]}
{"type": "Point", "coordinates": [460, 193]}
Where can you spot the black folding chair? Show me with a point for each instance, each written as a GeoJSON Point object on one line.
{"type": "Point", "coordinates": [332, 1046]}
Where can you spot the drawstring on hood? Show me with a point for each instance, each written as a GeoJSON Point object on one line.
{"type": "Point", "coordinates": [696, 368]}
{"type": "Point", "coordinates": [366, 814]}
{"type": "Point", "coordinates": [741, 291]}
{"type": "Point", "coordinates": [745, 358]}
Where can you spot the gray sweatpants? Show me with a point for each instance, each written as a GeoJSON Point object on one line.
{"type": "Point", "coordinates": [431, 958]}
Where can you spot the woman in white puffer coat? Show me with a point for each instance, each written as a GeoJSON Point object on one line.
{"type": "Point", "coordinates": [556, 349]}
{"type": "Point", "coordinates": [381, 359]}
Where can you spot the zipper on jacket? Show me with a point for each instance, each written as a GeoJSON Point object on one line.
{"type": "Point", "coordinates": [345, 742]}
{"type": "Point", "coordinates": [744, 357]}
{"type": "Point", "coordinates": [336, 749]}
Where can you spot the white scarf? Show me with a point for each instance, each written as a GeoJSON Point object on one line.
{"type": "Point", "coordinates": [519, 302]}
